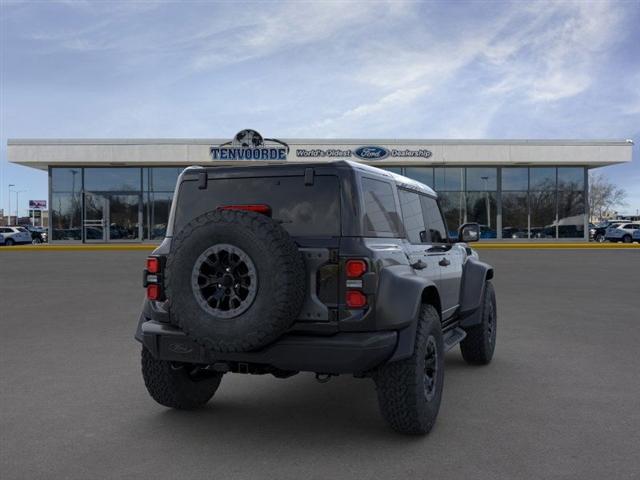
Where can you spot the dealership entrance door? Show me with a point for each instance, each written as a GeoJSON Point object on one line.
{"type": "Point", "coordinates": [112, 217]}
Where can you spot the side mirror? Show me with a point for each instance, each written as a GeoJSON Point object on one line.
{"type": "Point", "coordinates": [469, 232]}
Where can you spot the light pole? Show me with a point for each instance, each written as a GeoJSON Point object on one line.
{"type": "Point", "coordinates": [9, 213]}
{"type": "Point", "coordinates": [73, 196]}
{"type": "Point", "coordinates": [18, 192]}
{"type": "Point", "coordinates": [487, 203]}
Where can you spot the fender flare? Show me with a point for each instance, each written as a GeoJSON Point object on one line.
{"type": "Point", "coordinates": [474, 277]}
{"type": "Point", "coordinates": [401, 293]}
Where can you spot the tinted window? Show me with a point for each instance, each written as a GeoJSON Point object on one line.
{"type": "Point", "coordinates": [302, 210]}
{"type": "Point", "coordinates": [163, 179]}
{"type": "Point", "coordinates": [421, 174]}
{"type": "Point", "coordinates": [570, 178]}
{"type": "Point", "coordinates": [116, 179]}
{"type": "Point", "coordinates": [411, 215]}
{"type": "Point", "coordinates": [515, 179]}
{"type": "Point", "coordinates": [436, 231]}
{"type": "Point", "coordinates": [482, 179]}
{"type": "Point", "coordinates": [450, 178]}
{"type": "Point", "coordinates": [542, 178]}
{"type": "Point", "coordinates": [380, 215]}
{"type": "Point", "coordinates": [66, 179]}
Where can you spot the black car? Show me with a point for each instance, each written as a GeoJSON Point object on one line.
{"type": "Point", "coordinates": [598, 232]}
{"type": "Point", "coordinates": [332, 268]}
{"type": "Point", "coordinates": [38, 234]}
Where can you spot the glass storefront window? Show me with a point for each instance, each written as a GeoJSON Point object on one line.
{"type": "Point", "coordinates": [571, 178]}
{"type": "Point", "coordinates": [66, 179]}
{"type": "Point", "coordinates": [482, 179]}
{"type": "Point", "coordinates": [66, 216]}
{"type": "Point", "coordinates": [449, 179]}
{"type": "Point", "coordinates": [163, 179]}
{"type": "Point", "coordinates": [515, 215]}
{"type": "Point", "coordinates": [542, 178]}
{"type": "Point", "coordinates": [515, 179]}
{"type": "Point", "coordinates": [571, 211]}
{"type": "Point", "coordinates": [158, 215]}
{"type": "Point", "coordinates": [420, 174]}
{"type": "Point", "coordinates": [543, 214]}
{"type": "Point", "coordinates": [112, 179]}
{"type": "Point", "coordinates": [482, 208]}
{"type": "Point", "coordinates": [453, 208]}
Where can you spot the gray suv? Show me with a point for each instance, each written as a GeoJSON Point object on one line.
{"type": "Point", "coordinates": [332, 268]}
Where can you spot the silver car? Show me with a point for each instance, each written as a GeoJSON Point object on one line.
{"type": "Point", "coordinates": [623, 232]}
{"type": "Point", "coordinates": [15, 235]}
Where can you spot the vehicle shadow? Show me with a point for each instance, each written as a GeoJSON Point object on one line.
{"type": "Point", "coordinates": [263, 412]}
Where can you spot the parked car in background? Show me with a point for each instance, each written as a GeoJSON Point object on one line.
{"type": "Point", "coordinates": [38, 234]}
{"type": "Point", "coordinates": [487, 232]}
{"type": "Point", "coordinates": [598, 232]}
{"type": "Point", "coordinates": [635, 236]}
{"type": "Point", "coordinates": [1, 239]}
{"type": "Point", "coordinates": [623, 232]}
{"type": "Point", "coordinates": [15, 235]}
{"type": "Point", "coordinates": [514, 232]}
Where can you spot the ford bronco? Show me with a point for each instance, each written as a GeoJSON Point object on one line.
{"type": "Point", "coordinates": [332, 268]}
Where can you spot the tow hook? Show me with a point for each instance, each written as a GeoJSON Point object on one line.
{"type": "Point", "coordinates": [323, 377]}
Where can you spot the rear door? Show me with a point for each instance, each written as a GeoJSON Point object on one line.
{"type": "Point", "coordinates": [417, 238]}
{"type": "Point", "coordinates": [444, 253]}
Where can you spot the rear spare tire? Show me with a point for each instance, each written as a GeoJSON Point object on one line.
{"type": "Point", "coordinates": [235, 280]}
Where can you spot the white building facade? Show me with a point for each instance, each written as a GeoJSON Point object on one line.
{"type": "Point", "coordinates": [119, 190]}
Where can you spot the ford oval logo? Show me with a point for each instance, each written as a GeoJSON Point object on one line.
{"type": "Point", "coordinates": [371, 153]}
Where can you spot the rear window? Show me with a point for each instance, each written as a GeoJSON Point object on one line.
{"type": "Point", "coordinates": [302, 210]}
{"type": "Point", "coordinates": [380, 214]}
{"type": "Point", "coordinates": [21, 229]}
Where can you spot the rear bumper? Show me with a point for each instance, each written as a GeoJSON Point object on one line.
{"type": "Point", "coordinates": [348, 352]}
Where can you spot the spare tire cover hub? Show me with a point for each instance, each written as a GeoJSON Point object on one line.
{"type": "Point", "coordinates": [224, 280]}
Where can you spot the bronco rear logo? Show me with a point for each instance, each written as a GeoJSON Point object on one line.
{"type": "Point", "coordinates": [180, 348]}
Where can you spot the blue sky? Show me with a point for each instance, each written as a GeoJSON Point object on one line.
{"type": "Point", "coordinates": [323, 69]}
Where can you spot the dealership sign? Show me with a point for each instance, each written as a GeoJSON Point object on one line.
{"type": "Point", "coordinates": [250, 145]}
{"type": "Point", "coordinates": [367, 152]}
{"type": "Point", "coordinates": [38, 204]}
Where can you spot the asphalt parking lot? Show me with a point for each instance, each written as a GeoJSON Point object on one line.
{"type": "Point", "coordinates": [560, 400]}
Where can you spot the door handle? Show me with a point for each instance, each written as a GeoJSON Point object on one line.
{"type": "Point", "coordinates": [419, 265]}
{"type": "Point", "coordinates": [444, 262]}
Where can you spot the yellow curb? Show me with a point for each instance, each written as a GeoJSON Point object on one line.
{"type": "Point", "coordinates": [479, 246]}
{"type": "Point", "coordinates": [45, 248]}
{"type": "Point", "coordinates": [552, 246]}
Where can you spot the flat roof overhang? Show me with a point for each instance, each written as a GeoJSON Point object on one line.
{"type": "Point", "coordinates": [43, 153]}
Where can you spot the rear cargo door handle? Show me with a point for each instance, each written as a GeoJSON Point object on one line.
{"type": "Point", "coordinates": [444, 262]}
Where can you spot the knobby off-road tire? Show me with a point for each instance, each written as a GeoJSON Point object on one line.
{"type": "Point", "coordinates": [409, 399]}
{"type": "Point", "coordinates": [479, 344]}
{"type": "Point", "coordinates": [177, 385]}
{"type": "Point", "coordinates": [250, 252]}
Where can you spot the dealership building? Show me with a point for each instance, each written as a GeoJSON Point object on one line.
{"type": "Point", "coordinates": [120, 190]}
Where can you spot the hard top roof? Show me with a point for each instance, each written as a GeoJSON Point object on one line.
{"type": "Point", "coordinates": [276, 168]}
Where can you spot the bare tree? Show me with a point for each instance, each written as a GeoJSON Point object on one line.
{"type": "Point", "coordinates": [604, 196]}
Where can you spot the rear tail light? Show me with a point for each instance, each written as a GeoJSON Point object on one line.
{"type": "Point", "coordinates": [152, 278]}
{"type": "Point", "coordinates": [258, 208]}
{"type": "Point", "coordinates": [153, 291]}
{"type": "Point", "coordinates": [355, 268]}
{"type": "Point", "coordinates": [153, 265]}
{"type": "Point", "coordinates": [356, 299]}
